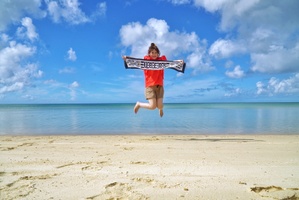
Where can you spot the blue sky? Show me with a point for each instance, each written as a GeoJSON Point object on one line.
{"type": "Point", "coordinates": [69, 51]}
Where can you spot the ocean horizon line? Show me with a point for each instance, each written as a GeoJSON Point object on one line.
{"type": "Point", "coordinates": [165, 103]}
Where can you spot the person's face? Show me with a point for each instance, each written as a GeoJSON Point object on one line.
{"type": "Point", "coordinates": [153, 54]}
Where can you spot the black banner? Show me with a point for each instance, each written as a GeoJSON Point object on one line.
{"type": "Point", "coordinates": [137, 63]}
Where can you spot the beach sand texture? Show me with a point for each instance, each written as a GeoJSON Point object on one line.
{"type": "Point", "coordinates": [149, 167]}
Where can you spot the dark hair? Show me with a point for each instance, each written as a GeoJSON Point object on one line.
{"type": "Point", "coordinates": [153, 47]}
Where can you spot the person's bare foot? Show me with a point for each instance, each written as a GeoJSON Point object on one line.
{"type": "Point", "coordinates": [136, 108]}
{"type": "Point", "coordinates": [161, 113]}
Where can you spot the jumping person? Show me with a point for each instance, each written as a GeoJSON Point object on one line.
{"type": "Point", "coordinates": [154, 79]}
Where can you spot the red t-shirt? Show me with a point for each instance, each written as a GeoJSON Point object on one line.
{"type": "Point", "coordinates": [154, 77]}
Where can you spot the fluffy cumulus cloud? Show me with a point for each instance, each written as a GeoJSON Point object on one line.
{"type": "Point", "coordinates": [14, 74]}
{"type": "Point", "coordinates": [276, 86]}
{"type": "Point", "coordinates": [13, 12]}
{"type": "Point", "coordinates": [17, 71]}
{"type": "Point", "coordinates": [27, 30]}
{"type": "Point", "coordinates": [171, 43]}
{"type": "Point", "coordinates": [225, 48]}
{"type": "Point", "coordinates": [277, 60]}
{"type": "Point", "coordinates": [14, 55]}
{"type": "Point", "coordinates": [75, 84]}
{"type": "Point", "coordinates": [266, 30]}
{"type": "Point", "coordinates": [67, 10]}
{"type": "Point", "coordinates": [71, 55]}
{"type": "Point", "coordinates": [236, 73]}
{"type": "Point", "coordinates": [70, 11]}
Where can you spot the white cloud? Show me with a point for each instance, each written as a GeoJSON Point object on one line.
{"type": "Point", "coordinates": [58, 90]}
{"type": "Point", "coordinates": [102, 8]}
{"type": "Point", "coordinates": [4, 40]}
{"type": "Point", "coordinates": [70, 11]}
{"type": "Point", "coordinates": [100, 11]}
{"type": "Point", "coordinates": [171, 44]}
{"type": "Point", "coordinates": [75, 84]}
{"type": "Point", "coordinates": [67, 70]}
{"type": "Point", "coordinates": [276, 86]}
{"type": "Point", "coordinates": [233, 12]}
{"type": "Point", "coordinates": [265, 29]}
{"type": "Point", "coordinates": [28, 29]}
{"type": "Point", "coordinates": [12, 87]}
{"type": "Point", "coordinates": [179, 2]}
{"type": "Point", "coordinates": [260, 87]}
{"type": "Point", "coordinates": [276, 60]}
{"type": "Point", "coordinates": [67, 10]}
{"type": "Point", "coordinates": [11, 56]}
{"type": "Point", "coordinates": [199, 61]}
{"type": "Point", "coordinates": [53, 83]}
{"type": "Point", "coordinates": [71, 55]}
{"type": "Point", "coordinates": [14, 75]}
{"type": "Point", "coordinates": [225, 48]}
{"type": "Point", "coordinates": [233, 93]}
{"type": "Point", "coordinates": [236, 73]}
{"type": "Point", "coordinates": [27, 23]}
{"type": "Point", "coordinates": [13, 11]}
{"type": "Point", "coordinates": [211, 6]}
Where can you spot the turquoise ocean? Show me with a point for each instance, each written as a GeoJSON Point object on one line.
{"type": "Point", "coordinates": [200, 118]}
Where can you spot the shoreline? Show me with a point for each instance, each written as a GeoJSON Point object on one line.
{"type": "Point", "coordinates": [149, 166]}
{"type": "Point", "coordinates": [149, 134]}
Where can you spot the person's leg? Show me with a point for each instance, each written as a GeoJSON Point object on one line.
{"type": "Point", "coordinates": [160, 106]}
{"type": "Point", "coordinates": [151, 105]}
{"type": "Point", "coordinates": [160, 95]}
{"type": "Point", "coordinates": [150, 95]}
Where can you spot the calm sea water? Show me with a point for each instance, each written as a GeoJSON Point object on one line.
{"type": "Point", "coordinates": [204, 118]}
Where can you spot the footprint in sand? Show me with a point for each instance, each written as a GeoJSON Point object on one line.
{"type": "Point", "coordinates": [128, 148]}
{"type": "Point", "coordinates": [138, 163]}
{"type": "Point", "coordinates": [27, 144]}
{"type": "Point", "coordinates": [150, 182]}
{"type": "Point", "coordinates": [143, 180]}
{"type": "Point", "coordinates": [276, 192]}
{"type": "Point", "coordinates": [116, 190]}
{"type": "Point", "coordinates": [21, 186]}
{"type": "Point", "coordinates": [8, 148]}
{"type": "Point", "coordinates": [18, 189]}
{"type": "Point", "coordinates": [152, 139]}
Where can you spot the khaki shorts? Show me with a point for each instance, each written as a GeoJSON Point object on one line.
{"type": "Point", "coordinates": [154, 92]}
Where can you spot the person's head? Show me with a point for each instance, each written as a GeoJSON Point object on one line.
{"type": "Point", "coordinates": [153, 51]}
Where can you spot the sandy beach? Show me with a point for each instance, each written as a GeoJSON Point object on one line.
{"type": "Point", "coordinates": [149, 167]}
